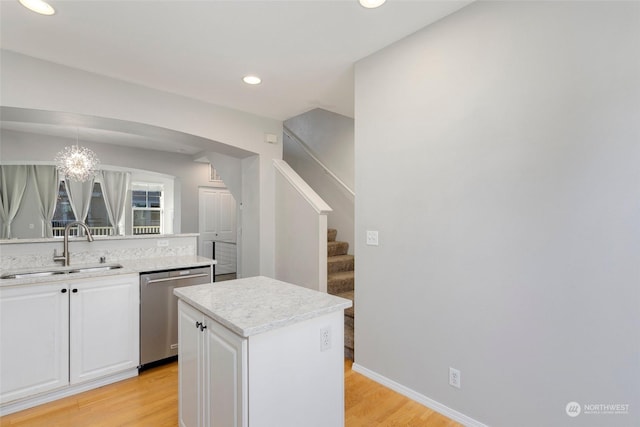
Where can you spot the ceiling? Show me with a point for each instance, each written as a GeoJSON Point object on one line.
{"type": "Point", "coordinates": [303, 50]}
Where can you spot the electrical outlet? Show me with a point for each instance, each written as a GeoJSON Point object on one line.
{"type": "Point", "coordinates": [454, 377]}
{"type": "Point", "coordinates": [372, 238]}
{"type": "Point", "coordinates": [325, 338]}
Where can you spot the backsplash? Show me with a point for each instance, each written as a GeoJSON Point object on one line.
{"type": "Point", "coordinates": [37, 255]}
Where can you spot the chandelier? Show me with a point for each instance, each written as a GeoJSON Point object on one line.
{"type": "Point", "coordinates": [77, 163]}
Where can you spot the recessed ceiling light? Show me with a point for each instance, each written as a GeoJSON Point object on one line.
{"type": "Point", "coordinates": [370, 4]}
{"type": "Point", "coordinates": [38, 6]}
{"type": "Point", "coordinates": [251, 80]}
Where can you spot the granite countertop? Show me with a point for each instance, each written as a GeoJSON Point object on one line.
{"type": "Point", "coordinates": [255, 305]}
{"type": "Point", "coordinates": [130, 266]}
{"type": "Point", "coordinates": [97, 238]}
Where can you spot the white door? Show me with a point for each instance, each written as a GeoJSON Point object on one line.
{"type": "Point", "coordinates": [34, 332]}
{"type": "Point", "coordinates": [104, 326]}
{"type": "Point", "coordinates": [218, 228]}
{"type": "Point", "coordinates": [208, 206]}
{"type": "Point", "coordinates": [226, 217]}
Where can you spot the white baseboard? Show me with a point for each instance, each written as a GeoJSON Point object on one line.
{"type": "Point", "coordinates": [420, 398]}
{"type": "Point", "coordinates": [70, 390]}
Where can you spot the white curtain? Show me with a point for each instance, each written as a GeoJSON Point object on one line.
{"type": "Point", "coordinates": [79, 197]}
{"type": "Point", "coordinates": [13, 182]}
{"type": "Point", "coordinates": [46, 182]}
{"type": "Point", "coordinates": [114, 190]}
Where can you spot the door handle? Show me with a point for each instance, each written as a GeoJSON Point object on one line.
{"type": "Point", "coordinates": [168, 279]}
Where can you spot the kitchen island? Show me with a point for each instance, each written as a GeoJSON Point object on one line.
{"type": "Point", "coordinates": [260, 352]}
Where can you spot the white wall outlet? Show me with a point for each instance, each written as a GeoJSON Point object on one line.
{"type": "Point", "coordinates": [270, 138]}
{"type": "Point", "coordinates": [372, 238]}
{"type": "Point", "coordinates": [325, 338]}
{"type": "Point", "coordinates": [163, 243]}
{"type": "Point", "coordinates": [454, 377]}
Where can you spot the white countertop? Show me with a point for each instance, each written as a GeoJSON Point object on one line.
{"type": "Point", "coordinates": [97, 238]}
{"type": "Point", "coordinates": [255, 305]}
{"type": "Point", "coordinates": [129, 266]}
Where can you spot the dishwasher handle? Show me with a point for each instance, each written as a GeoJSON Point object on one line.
{"type": "Point", "coordinates": [169, 279]}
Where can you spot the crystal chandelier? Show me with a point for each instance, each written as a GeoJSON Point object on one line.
{"type": "Point", "coordinates": [77, 163]}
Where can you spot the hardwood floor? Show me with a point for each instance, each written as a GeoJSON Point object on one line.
{"type": "Point", "coordinates": [151, 400]}
{"type": "Point", "coordinates": [368, 403]}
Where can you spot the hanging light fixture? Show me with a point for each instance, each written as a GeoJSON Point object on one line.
{"type": "Point", "coordinates": [77, 163]}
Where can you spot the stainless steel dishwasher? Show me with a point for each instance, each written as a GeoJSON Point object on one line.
{"type": "Point", "coordinates": [159, 310]}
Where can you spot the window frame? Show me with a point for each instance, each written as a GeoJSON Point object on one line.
{"type": "Point", "coordinates": [148, 187]}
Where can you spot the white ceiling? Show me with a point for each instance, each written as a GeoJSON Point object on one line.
{"type": "Point", "coordinates": [304, 50]}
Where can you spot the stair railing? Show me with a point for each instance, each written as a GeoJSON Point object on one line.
{"type": "Point", "coordinates": [315, 158]}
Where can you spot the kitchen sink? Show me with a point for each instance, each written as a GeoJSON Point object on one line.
{"type": "Point", "coordinates": [46, 273]}
{"type": "Point", "coordinates": [32, 274]}
{"type": "Point", "coordinates": [95, 268]}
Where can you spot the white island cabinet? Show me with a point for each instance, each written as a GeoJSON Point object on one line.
{"type": "Point", "coordinates": [259, 352]}
{"type": "Point", "coordinates": [63, 337]}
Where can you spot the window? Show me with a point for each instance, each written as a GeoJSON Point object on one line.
{"type": "Point", "coordinates": [63, 214]}
{"type": "Point", "coordinates": [147, 205]}
{"type": "Point", "coordinates": [97, 217]}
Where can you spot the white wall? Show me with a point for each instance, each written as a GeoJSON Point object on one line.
{"type": "Point", "coordinates": [301, 231]}
{"type": "Point", "coordinates": [508, 211]}
{"type": "Point", "coordinates": [35, 84]}
{"type": "Point", "coordinates": [330, 137]}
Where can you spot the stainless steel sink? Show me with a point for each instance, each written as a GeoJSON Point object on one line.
{"type": "Point", "coordinates": [46, 273]}
{"type": "Point", "coordinates": [94, 269]}
{"type": "Point", "coordinates": [31, 274]}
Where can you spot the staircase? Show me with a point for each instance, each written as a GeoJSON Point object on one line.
{"type": "Point", "coordinates": [340, 282]}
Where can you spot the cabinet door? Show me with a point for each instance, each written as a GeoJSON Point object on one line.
{"type": "Point", "coordinates": [104, 326]}
{"type": "Point", "coordinates": [190, 378]}
{"type": "Point", "coordinates": [226, 365]}
{"type": "Point", "coordinates": [34, 332]}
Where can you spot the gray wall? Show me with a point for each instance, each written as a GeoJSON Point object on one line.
{"type": "Point", "coordinates": [27, 147]}
{"type": "Point", "coordinates": [330, 137]}
{"type": "Point", "coordinates": [497, 153]}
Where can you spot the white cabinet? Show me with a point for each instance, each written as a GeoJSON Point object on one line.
{"type": "Point", "coordinates": [104, 327]}
{"type": "Point", "coordinates": [212, 370]}
{"type": "Point", "coordinates": [60, 334]}
{"type": "Point", "coordinates": [34, 332]}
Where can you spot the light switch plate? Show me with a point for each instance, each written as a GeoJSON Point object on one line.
{"type": "Point", "coordinates": [372, 238]}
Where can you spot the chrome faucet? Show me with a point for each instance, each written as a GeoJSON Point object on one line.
{"type": "Point", "coordinates": [65, 250]}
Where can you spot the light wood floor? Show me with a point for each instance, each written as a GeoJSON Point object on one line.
{"type": "Point", "coordinates": [151, 400]}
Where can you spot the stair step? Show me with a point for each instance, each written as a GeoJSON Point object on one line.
{"type": "Point", "coordinates": [348, 333]}
{"type": "Point", "coordinates": [349, 336]}
{"type": "Point", "coordinates": [337, 248]}
{"type": "Point", "coordinates": [348, 353]}
{"type": "Point", "coordinates": [349, 312]}
{"type": "Point", "coordinates": [338, 283]}
{"type": "Point", "coordinates": [339, 263]}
